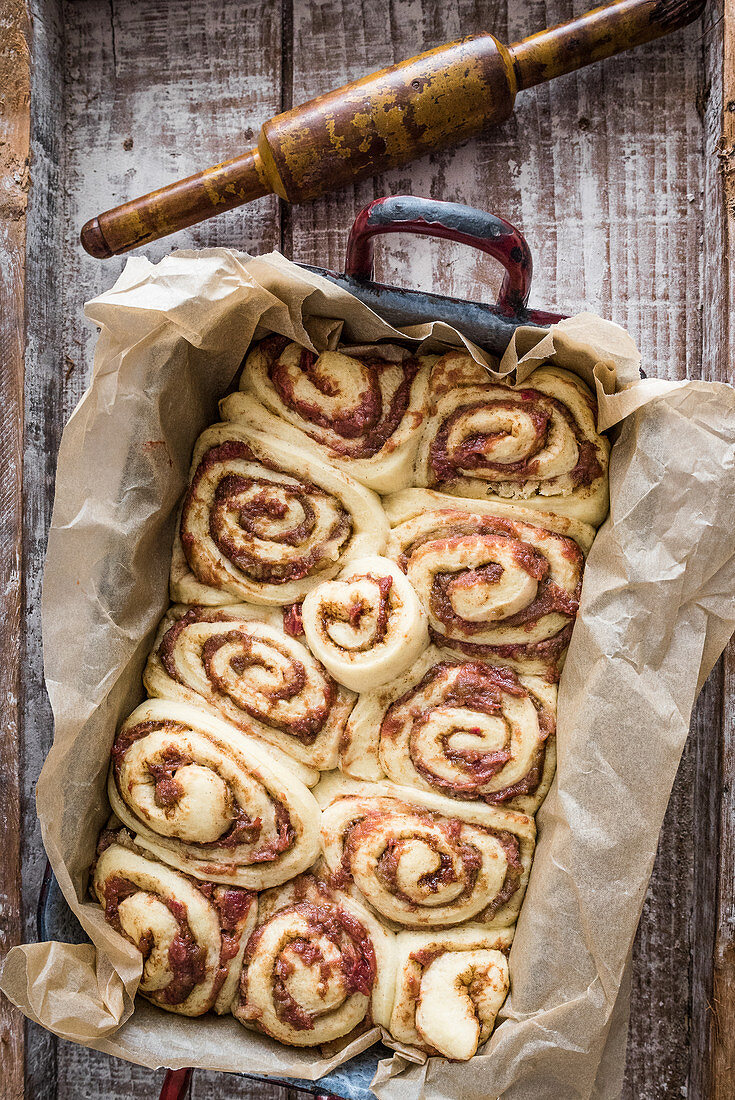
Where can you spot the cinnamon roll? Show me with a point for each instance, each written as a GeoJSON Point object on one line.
{"type": "Point", "coordinates": [499, 582]}
{"type": "Point", "coordinates": [209, 800]}
{"type": "Point", "coordinates": [265, 520]}
{"type": "Point", "coordinates": [536, 443]}
{"type": "Point", "coordinates": [192, 935]}
{"type": "Point", "coordinates": [363, 407]}
{"type": "Point", "coordinates": [318, 967]}
{"type": "Point", "coordinates": [421, 860]}
{"type": "Point", "coordinates": [368, 625]}
{"type": "Point", "coordinates": [465, 729]}
{"type": "Point", "coordinates": [450, 987]}
{"type": "Point", "coordinates": [240, 664]}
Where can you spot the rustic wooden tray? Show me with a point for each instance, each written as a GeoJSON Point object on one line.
{"type": "Point", "coordinates": [621, 179]}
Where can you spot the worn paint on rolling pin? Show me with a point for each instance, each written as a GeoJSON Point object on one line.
{"type": "Point", "coordinates": [385, 119]}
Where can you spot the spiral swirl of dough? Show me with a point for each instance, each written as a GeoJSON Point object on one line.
{"type": "Point", "coordinates": [317, 967]}
{"type": "Point", "coordinates": [209, 800]}
{"type": "Point", "coordinates": [240, 664]}
{"type": "Point", "coordinates": [499, 582]}
{"type": "Point", "coordinates": [464, 729]}
{"type": "Point", "coordinates": [423, 861]}
{"type": "Point", "coordinates": [192, 935]}
{"type": "Point", "coordinates": [450, 987]}
{"type": "Point", "coordinates": [537, 444]}
{"type": "Point", "coordinates": [266, 521]}
{"type": "Point", "coordinates": [363, 407]}
{"type": "Point", "coordinates": [368, 625]}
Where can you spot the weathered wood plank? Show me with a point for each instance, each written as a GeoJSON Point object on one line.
{"type": "Point", "coordinates": [187, 83]}
{"type": "Point", "coordinates": [719, 361]}
{"type": "Point", "coordinates": [703, 919]}
{"type": "Point", "coordinates": [602, 170]}
{"type": "Point", "coordinates": [658, 1055]}
{"type": "Point", "coordinates": [218, 1086]}
{"type": "Point", "coordinates": [87, 1075]}
{"type": "Point", "coordinates": [14, 180]}
{"type": "Point", "coordinates": [723, 991]}
{"type": "Point", "coordinates": [44, 383]}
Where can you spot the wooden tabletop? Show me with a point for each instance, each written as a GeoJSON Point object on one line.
{"type": "Point", "coordinates": [621, 178]}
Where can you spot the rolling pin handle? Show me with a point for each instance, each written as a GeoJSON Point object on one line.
{"type": "Point", "coordinates": [177, 206]}
{"type": "Point", "coordinates": [93, 240]}
{"type": "Point", "coordinates": [452, 221]}
{"type": "Point", "coordinates": [596, 35]}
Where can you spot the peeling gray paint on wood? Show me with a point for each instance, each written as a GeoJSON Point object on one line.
{"type": "Point", "coordinates": [614, 177]}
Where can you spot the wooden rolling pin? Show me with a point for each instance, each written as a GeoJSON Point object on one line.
{"type": "Point", "coordinates": [386, 119]}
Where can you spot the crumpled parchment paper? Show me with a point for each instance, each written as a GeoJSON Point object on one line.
{"type": "Point", "coordinates": [657, 609]}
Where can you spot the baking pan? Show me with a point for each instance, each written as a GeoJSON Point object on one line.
{"type": "Point", "coordinates": [491, 326]}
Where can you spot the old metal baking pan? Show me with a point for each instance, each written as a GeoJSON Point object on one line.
{"type": "Point", "coordinates": [491, 326]}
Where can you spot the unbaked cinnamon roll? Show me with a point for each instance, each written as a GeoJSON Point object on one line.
{"type": "Point", "coordinates": [209, 800]}
{"type": "Point", "coordinates": [368, 625]}
{"type": "Point", "coordinates": [450, 987]}
{"type": "Point", "coordinates": [536, 444]}
{"type": "Point", "coordinates": [239, 663]}
{"type": "Point", "coordinates": [499, 582]}
{"type": "Point", "coordinates": [265, 521]}
{"type": "Point", "coordinates": [465, 729]}
{"type": "Point", "coordinates": [363, 407]}
{"type": "Point", "coordinates": [192, 935]}
{"type": "Point", "coordinates": [318, 967]}
{"type": "Point", "coordinates": [421, 860]}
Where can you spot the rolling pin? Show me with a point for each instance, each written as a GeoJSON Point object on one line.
{"type": "Point", "coordinates": [386, 119]}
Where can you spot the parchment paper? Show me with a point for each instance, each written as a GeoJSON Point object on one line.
{"type": "Point", "coordinates": [657, 609]}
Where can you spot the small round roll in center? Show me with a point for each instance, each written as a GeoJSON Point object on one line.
{"type": "Point", "coordinates": [367, 626]}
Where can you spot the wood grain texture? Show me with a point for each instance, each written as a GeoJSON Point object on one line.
{"type": "Point", "coordinates": [603, 171]}
{"type": "Point", "coordinates": [44, 382]}
{"type": "Point", "coordinates": [14, 179]}
{"type": "Point", "coordinates": [722, 1072]}
{"type": "Point", "coordinates": [102, 72]}
{"type": "Point", "coordinates": [618, 177]}
{"type": "Point", "coordinates": [719, 360]}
